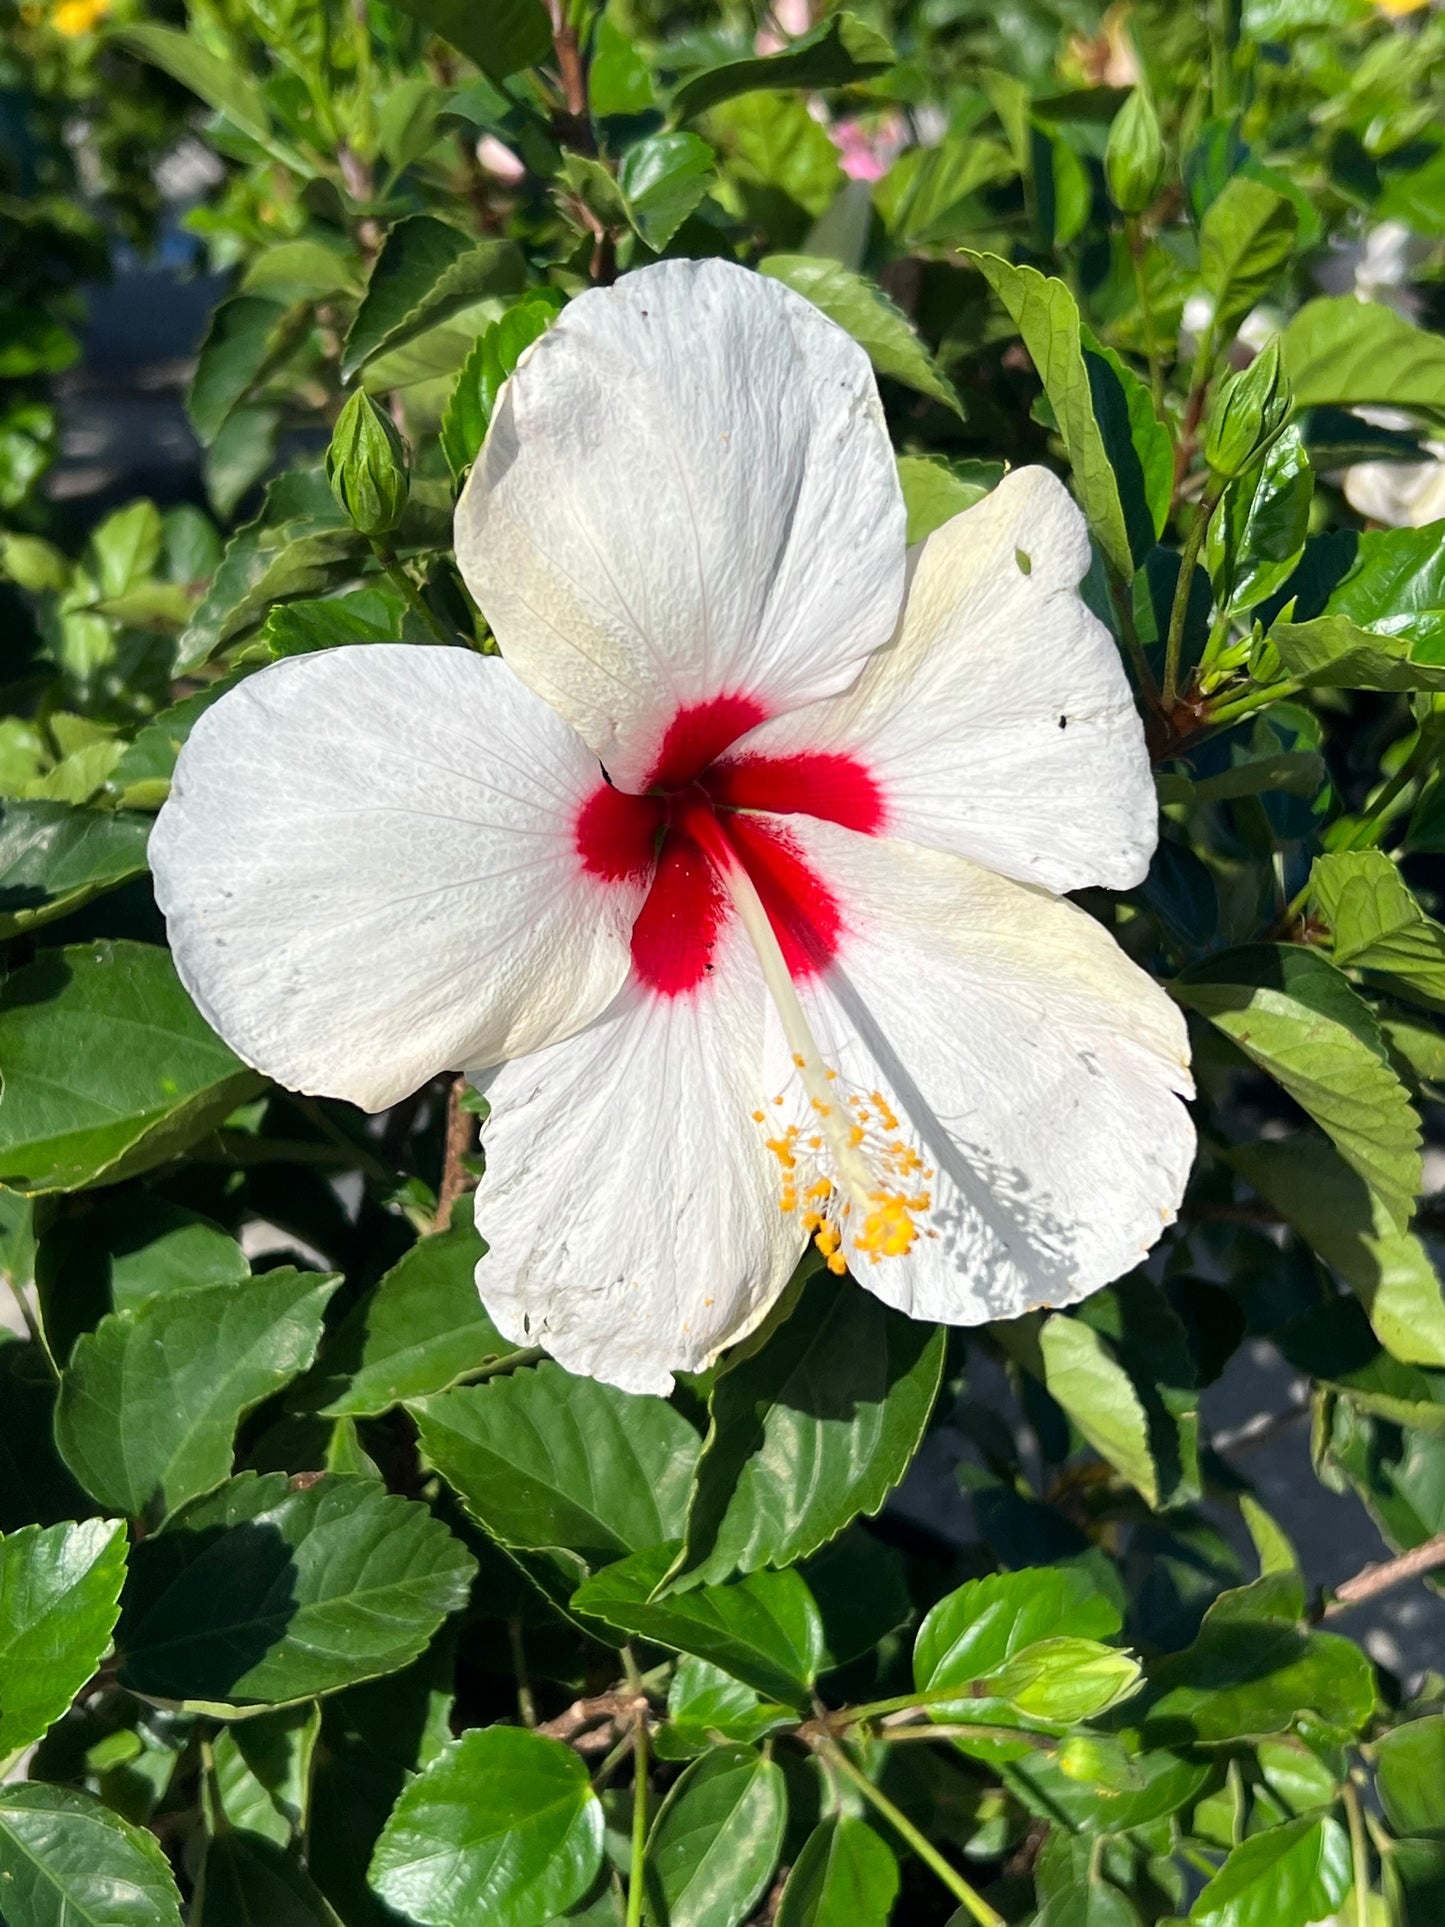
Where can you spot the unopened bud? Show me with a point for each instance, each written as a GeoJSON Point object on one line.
{"type": "Point", "coordinates": [368, 466]}
{"type": "Point", "coordinates": [1247, 415]}
{"type": "Point", "coordinates": [1134, 157]}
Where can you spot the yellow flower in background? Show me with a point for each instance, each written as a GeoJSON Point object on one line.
{"type": "Point", "coordinates": [76, 18]}
{"type": "Point", "coordinates": [1399, 8]}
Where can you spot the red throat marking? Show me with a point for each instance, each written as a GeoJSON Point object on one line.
{"type": "Point", "coordinates": [622, 836]}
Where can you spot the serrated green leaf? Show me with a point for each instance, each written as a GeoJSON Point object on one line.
{"type": "Point", "coordinates": [250, 336]}
{"type": "Point", "coordinates": [1248, 1676]}
{"type": "Point", "coordinates": [974, 1632]}
{"type": "Point", "coordinates": [780, 162]}
{"type": "Point", "coordinates": [502, 1826]}
{"type": "Point", "coordinates": [809, 1431]}
{"type": "Point", "coordinates": [1095, 1904]}
{"type": "Point", "coordinates": [1377, 925]}
{"type": "Point", "coordinates": [703, 1702]}
{"type": "Point", "coordinates": [59, 1598]}
{"type": "Point", "coordinates": [1296, 1017]}
{"type": "Point", "coordinates": [845, 1876]}
{"type": "Point", "coordinates": [67, 1861]}
{"type": "Point", "coordinates": [502, 38]}
{"type": "Point", "coordinates": [221, 83]}
{"type": "Point", "coordinates": [1285, 1877]}
{"type": "Point", "coordinates": [425, 273]}
{"type": "Point", "coordinates": [247, 1881]}
{"type": "Point", "coordinates": [662, 179]}
{"type": "Point", "coordinates": [1331, 652]}
{"type": "Point", "coordinates": [543, 1459]}
{"type": "Point", "coordinates": [109, 1068]}
{"type": "Point", "coordinates": [866, 313]}
{"type": "Point", "coordinates": [764, 1630]}
{"type": "Point", "coordinates": [1396, 588]}
{"type": "Point", "coordinates": [54, 859]}
{"type": "Point", "coordinates": [1347, 352]}
{"type": "Point", "coordinates": [841, 50]}
{"type": "Point", "coordinates": [150, 1401]}
{"type": "Point", "coordinates": [715, 1842]}
{"type": "Point", "coordinates": [469, 412]}
{"type": "Point", "coordinates": [420, 1330]}
{"type": "Point", "coordinates": [262, 1593]}
{"type": "Point", "coordinates": [934, 491]}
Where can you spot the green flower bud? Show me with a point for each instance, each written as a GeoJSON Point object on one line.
{"type": "Point", "coordinates": [368, 466]}
{"type": "Point", "coordinates": [1246, 415]}
{"type": "Point", "coordinates": [1134, 157]}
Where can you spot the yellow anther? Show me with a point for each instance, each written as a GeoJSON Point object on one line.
{"type": "Point", "coordinates": [800, 1061]}
{"type": "Point", "coordinates": [760, 1117]}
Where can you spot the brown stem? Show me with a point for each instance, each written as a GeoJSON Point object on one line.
{"type": "Point", "coordinates": [461, 1130]}
{"type": "Point", "coordinates": [1382, 1578]}
{"type": "Point", "coordinates": [573, 76]}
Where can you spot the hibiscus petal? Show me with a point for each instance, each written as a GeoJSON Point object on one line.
{"type": "Point", "coordinates": [687, 501]}
{"type": "Point", "coordinates": [1034, 1065]}
{"type": "Point", "coordinates": [369, 871]}
{"type": "Point", "coordinates": [629, 1205]}
{"type": "Point", "coordinates": [999, 723]}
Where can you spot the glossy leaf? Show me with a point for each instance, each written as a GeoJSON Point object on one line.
{"type": "Point", "coordinates": [808, 1431]}
{"type": "Point", "coordinates": [866, 313]}
{"type": "Point", "coordinates": [1410, 1776]}
{"type": "Point", "coordinates": [263, 1768]}
{"type": "Point", "coordinates": [502, 1826]}
{"type": "Point", "coordinates": [150, 1401]}
{"type": "Point", "coordinates": [703, 1702]}
{"type": "Point", "coordinates": [845, 1876]}
{"type": "Point", "coordinates": [469, 412]}
{"type": "Point", "coordinates": [974, 1632]}
{"type": "Point", "coordinates": [934, 491]}
{"type": "Point", "coordinates": [67, 1861]}
{"type": "Point", "coordinates": [1247, 1676]}
{"type": "Point", "coordinates": [109, 1068]}
{"type": "Point", "coordinates": [541, 1459]}
{"type": "Point", "coordinates": [1257, 535]}
{"type": "Point", "coordinates": [764, 1630]}
{"type": "Point", "coordinates": [1095, 1904]}
{"type": "Point", "coordinates": [1285, 1877]}
{"type": "Point", "coordinates": [1244, 239]}
{"type": "Point", "coordinates": [1297, 1018]}
{"type": "Point", "coordinates": [662, 179]}
{"type": "Point", "coordinates": [59, 1598]}
{"type": "Point", "coordinates": [426, 272]}
{"type": "Point", "coordinates": [1099, 1396]}
{"type": "Point", "coordinates": [715, 1843]}
{"type": "Point", "coordinates": [841, 50]}
{"type": "Point", "coordinates": [262, 1593]}
{"type": "Point", "coordinates": [54, 858]}
{"type": "Point", "coordinates": [1347, 352]}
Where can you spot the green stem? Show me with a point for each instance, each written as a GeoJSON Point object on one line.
{"type": "Point", "coordinates": [1359, 1855]}
{"type": "Point", "coordinates": [968, 1897]}
{"type": "Point", "coordinates": [1218, 640]}
{"type": "Point", "coordinates": [1134, 235]}
{"type": "Point", "coordinates": [1188, 562]}
{"type": "Point", "coordinates": [904, 1703]}
{"type": "Point", "coordinates": [1261, 698]}
{"type": "Point", "coordinates": [397, 575]}
{"type": "Point", "coordinates": [639, 1815]}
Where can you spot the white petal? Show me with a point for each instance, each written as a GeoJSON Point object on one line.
{"type": "Point", "coordinates": [629, 1207]}
{"type": "Point", "coordinates": [369, 871]}
{"type": "Point", "coordinates": [999, 722]}
{"type": "Point", "coordinates": [687, 493]}
{"type": "Point", "coordinates": [1034, 1063]}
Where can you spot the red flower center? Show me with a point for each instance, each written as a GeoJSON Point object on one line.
{"type": "Point", "coordinates": [697, 790]}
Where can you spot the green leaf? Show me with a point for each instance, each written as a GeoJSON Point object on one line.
{"type": "Point", "coordinates": [109, 1068]}
{"type": "Point", "coordinates": [151, 1399]}
{"type": "Point", "coordinates": [1347, 352]}
{"type": "Point", "coordinates": [421, 1330]}
{"type": "Point", "coordinates": [1330, 652]}
{"type": "Point", "coordinates": [1257, 535]}
{"type": "Point", "coordinates": [934, 491]}
{"type": "Point", "coordinates": [1286, 1877]}
{"type": "Point", "coordinates": [703, 1702]}
{"type": "Point", "coordinates": [543, 1459]}
{"type": "Point", "coordinates": [426, 272]}
{"type": "Point", "coordinates": [261, 1594]}
{"type": "Point", "coordinates": [764, 1630]}
{"type": "Point", "coordinates": [843, 49]}
{"type": "Point", "coordinates": [779, 160]}
{"type": "Point", "coordinates": [469, 412]}
{"type": "Point", "coordinates": [1396, 588]}
{"type": "Point", "coordinates": [54, 858]}
{"type": "Point", "coordinates": [262, 1771]}
{"type": "Point", "coordinates": [1296, 1017]}
{"type": "Point", "coordinates": [502, 37]}
{"type": "Point", "coordinates": [115, 1251]}
{"type": "Point", "coordinates": [845, 1876]}
{"type": "Point", "coordinates": [808, 1431]}
{"type": "Point", "coordinates": [1245, 238]}
{"type": "Point", "coordinates": [928, 197]}
{"type": "Point", "coordinates": [662, 179]}
{"type": "Point", "coordinates": [250, 336]}
{"type": "Point", "coordinates": [1247, 1675]}
{"type": "Point", "coordinates": [1139, 447]}
{"type": "Point", "coordinates": [59, 1597]}
{"type": "Point", "coordinates": [246, 1881]}
{"type": "Point", "coordinates": [1099, 1396]}
{"type": "Point", "coordinates": [67, 1861]}
{"type": "Point", "coordinates": [293, 270]}
{"type": "Point", "coordinates": [1377, 925]}
{"type": "Point", "coordinates": [715, 1842]}
{"type": "Point", "coordinates": [866, 313]}
{"type": "Point", "coordinates": [36, 1487]}
{"type": "Point", "coordinates": [1410, 1776]}
{"type": "Point", "coordinates": [1095, 1904]}
{"type": "Point", "coordinates": [503, 1826]}
{"type": "Point", "coordinates": [1047, 317]}
{"type": "Point", "coordinates": [974, 1632]}
{"type": "Point", "coordinates": [332, 622]}
{"type": "Point", "coordinates": [221, 83]}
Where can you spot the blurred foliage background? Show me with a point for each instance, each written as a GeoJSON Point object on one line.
{"type": "Point", "coordinates": [320, 1603]}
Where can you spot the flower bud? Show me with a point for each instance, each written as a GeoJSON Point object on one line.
{"type": "Point", "coordinates": [368, 466]}
{"type": "Point", "coordinates": [1246, 415]}
{"type": "Point", "coordinates": [1134, 157]}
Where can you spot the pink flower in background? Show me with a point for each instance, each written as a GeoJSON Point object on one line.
{"type": "Point", "coordinates": [867, 149]}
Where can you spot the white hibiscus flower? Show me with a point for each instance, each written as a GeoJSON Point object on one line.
{"type": "Point", "coordinates": [737, 875]}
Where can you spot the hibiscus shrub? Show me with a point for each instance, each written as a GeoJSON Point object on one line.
{"type": "Point", "coordinates": [323, 1596]}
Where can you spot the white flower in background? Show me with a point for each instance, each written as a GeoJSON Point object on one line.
{"type": "Point", "coordinates": [797, 964]}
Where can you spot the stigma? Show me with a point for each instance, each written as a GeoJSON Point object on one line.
{"type": "Point", "coordinates": [859, 1188]}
